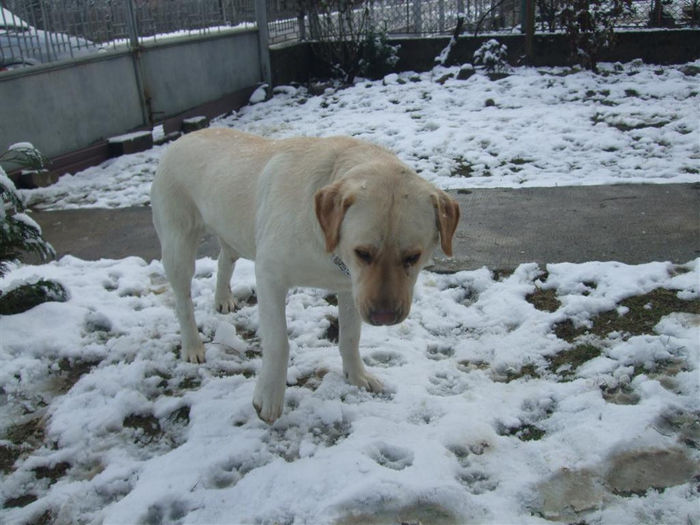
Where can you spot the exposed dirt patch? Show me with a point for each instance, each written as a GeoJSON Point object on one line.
{"type": "Point", "coordinates": [29, 433]}
{"type": "Point", "coordinates": [311, 380]}
{"type": "Point", "coordinates": [146, 429]}
{"type": "Point", "coordinates": [620, 395]}
{"type": "Point", "coordinates": [52, 472]}
{"type": "Point", "coordinates": [69, 373]}
{"type": "Point", "coordinates": [525, 432]}
{"type": "Point", "coordinates": [545, 300]}
{"type": "Point", "coordinates": [8, 456]}
{"type": "Point", "coordinates": [467, 365]}
{"type": "Point", "coordinates": [20, 501]}
{"type": "Point", "coordinates": [526, 371]}
{"type": "Point", "coordinates": [333, 330]}
{"type": "Point", "coordinates": [21, 439]}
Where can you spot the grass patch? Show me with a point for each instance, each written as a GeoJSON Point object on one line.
{"type": "Point", "coordinates": [545, 300]}
{"type": "Point", "coordinates": [525, 432]}
{"type": "Point", "coordinates": [643, 314]}
{"type": "Point", "coordinates": [567, 331]}
{"type": "Point", "coordinates": [462, 168]}
{"type": "Point", "coordinates": [526, 371]}
{"type": "Point", "coordinates": [645, 311]}
{"type": "Point", "coordinates": [568, 361]}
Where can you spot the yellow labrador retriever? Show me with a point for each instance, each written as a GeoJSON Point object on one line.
{"type": "Point", "coordinates": [334, 213]}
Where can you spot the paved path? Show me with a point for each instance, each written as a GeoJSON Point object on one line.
{"type": "Point", "coordinates": [500, 228]}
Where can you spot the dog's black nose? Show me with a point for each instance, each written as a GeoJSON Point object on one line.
{"type": "Point", "coordinates": [384, 317]}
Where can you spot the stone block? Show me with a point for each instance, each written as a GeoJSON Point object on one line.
{"type": "Point", "coordinates": [194, 123]}
{"type": "Point", "coordinates": [130, 143]}
{"type": "Point", "coordinates": [30, 179]}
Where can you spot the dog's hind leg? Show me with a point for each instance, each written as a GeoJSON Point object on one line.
{"type": "Point", "coordinates": [223, 299]}
{"type": "Point", "coordinates": [179, 248]}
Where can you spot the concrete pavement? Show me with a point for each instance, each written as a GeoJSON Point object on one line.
{"type": "Point", "coordinates": [499, 228]}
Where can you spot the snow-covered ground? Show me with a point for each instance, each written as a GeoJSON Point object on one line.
{"type": "Point", "coordinates": [478, 423]}
{"type": "Point", "coordinates": [537, 127]}
{"type": "Point", "coordinates": [538, 395]}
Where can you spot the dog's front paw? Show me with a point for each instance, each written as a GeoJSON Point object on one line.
{"type": "Point", "coordinates": [224, 303]}
{"type": "Point", "coordinates": [366, 381]}
{"type": "Point", "coordinates": [268, 402]}
{"type": "Point", "coordinates": [194, 355]}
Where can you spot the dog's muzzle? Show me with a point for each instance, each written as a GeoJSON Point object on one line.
{"type": "Point", "coordinates": [384, 317]}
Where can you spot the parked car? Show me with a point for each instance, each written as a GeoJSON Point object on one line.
{"type": "Point", "coordinates": [23, 45]}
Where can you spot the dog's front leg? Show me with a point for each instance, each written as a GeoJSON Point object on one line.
{"type": "Point", "coordinates": [349, 343]}
{"type": "Point", "coordinates": [268, 399]}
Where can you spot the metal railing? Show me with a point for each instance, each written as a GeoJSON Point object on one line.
{"type": "Point", "coordinates": [33, 31]}
{"type": "Point", "coordinates": [439, 17]}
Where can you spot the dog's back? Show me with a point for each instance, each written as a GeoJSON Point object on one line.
{"type": "Point", "coordinates": [208, 179]}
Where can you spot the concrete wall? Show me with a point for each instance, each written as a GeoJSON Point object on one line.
{"type": "Point", "coordinates": [296, 62]}
{"type": "Point", "coordinates": [67, 106]}
{"type": "Point", "coordinates": [654, 47]}
{"type": "Point", "coordinates": [190, 72]}
{"type": "Point", "coordinates": [60, 108]}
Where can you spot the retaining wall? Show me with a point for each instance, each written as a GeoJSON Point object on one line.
{"type": "Point", "coordinates": [69, 105]}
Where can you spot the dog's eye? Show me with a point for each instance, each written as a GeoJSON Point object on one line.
{"type": "Point", "coordinates": [410, 260]}
{"type": "Point", "coordinates": [363, 255]}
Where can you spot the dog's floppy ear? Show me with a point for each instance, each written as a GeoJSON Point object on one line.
{"type": "Point", "coordinates": [331, 203]}
{"type": "Point", "coordinates": [446, 217]}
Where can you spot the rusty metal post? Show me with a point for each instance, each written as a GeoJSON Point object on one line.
{"type": "Point", "coordinates": [527, 27]}
{"type": "Point", "coordinates": [264, 43]}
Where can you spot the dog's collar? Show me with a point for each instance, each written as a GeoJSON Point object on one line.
{"type": "Point", "coordinates": [340, 265]}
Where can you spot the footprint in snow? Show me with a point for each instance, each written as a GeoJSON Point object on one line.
{"type": "Point", "coordinates": [391, 456]}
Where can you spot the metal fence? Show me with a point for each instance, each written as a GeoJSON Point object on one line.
{"type": "Point", "coordinates": [439, 17]}
{"type": "Point", "coordinates": [33, 31]}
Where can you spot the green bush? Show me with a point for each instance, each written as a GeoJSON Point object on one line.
{"type": "Point", "coordinates": [378, 56]}
{"type": "Point", "coordinates": [492, 56]}
{"type": "Point", "coordinates": [21, 235]}
{"type": "Point", "coordinates": [346, 38]}
{"type": "Point", "coordinates": [590, 27]}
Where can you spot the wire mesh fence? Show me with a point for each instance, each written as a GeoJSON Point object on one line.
{"type": "Point", "coordinates": [33, 31]}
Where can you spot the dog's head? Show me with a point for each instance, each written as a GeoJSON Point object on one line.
{"type": "Point", "coordinates": [384, 221]}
